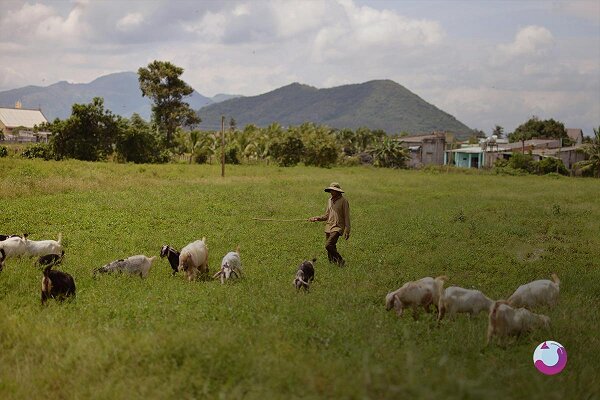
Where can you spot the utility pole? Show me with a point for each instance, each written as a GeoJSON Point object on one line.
{"type": "Point", "coordinates": [222, 145]}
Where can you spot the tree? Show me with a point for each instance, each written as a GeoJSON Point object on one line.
{"type": "Point", "coordinates": [88, 134]}
{"type": "Point", "coordinates": [160, 81]}
{"type": "Point", "coordinates": [535, 128]}
{"type": "Point", "coordinates": [138, 143]}
{"type": "Point", "coordinates": [498, 131]}
{"type": "Point", "coordinates": [592, 152]}
{"type": "Point", "coordinates": [286, 148]}
{"type": "Point", "coordinates": [320, 147]}
{"type": "Point", "coordinates": [389, 153]}
{"type": "Point", "coordinates": [232, 125]}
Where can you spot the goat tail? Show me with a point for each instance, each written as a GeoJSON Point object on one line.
{"type": "Point", "coordinates": [237, 249]}
{"type": "Point", "coordinates": [442, 278]}
{"type": "Point", "coordinates": [555, 279]}
{"type": "Point", "coordinates": [59, 238]}
{"type": "Point", "coordinates": [204, 239]}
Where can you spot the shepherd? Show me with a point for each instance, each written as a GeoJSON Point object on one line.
{"type": "Point", "coordinates": [337, 216]}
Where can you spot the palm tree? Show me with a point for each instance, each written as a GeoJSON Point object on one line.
{"type": "Point", "coordinates": [592, 152]}
{"type": "Point", "coordinates": [389, 153]}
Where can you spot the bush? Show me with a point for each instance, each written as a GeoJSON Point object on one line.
{"type": "Point", "coordinates": [521, 161]}
{"type": "Point", "coordinates": [40, 150]}
{"type": "Point", "coordinates": [200, 156]}
{"type": "Point", "coordinates": [232, 152]}
{"type": "Point", "coordinates": [549, 165]}
{"type": "Point", "coordinates": [287, 150]}
{"type": "Point", "coordinates": [3, 151]}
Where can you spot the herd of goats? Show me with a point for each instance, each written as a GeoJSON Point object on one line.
{"type": "Point", "coordinates": [510, 317]}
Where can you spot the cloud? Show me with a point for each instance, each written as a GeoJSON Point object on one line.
{"type": "Point", "coordinates": [130, 21]}
{"type": "Point", "coordinates": [529, 41]}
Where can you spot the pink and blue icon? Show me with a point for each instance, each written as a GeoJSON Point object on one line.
{"type": "Point", "coordinates": [550, 357]}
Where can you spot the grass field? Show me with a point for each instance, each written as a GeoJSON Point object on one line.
{"type": "Point", "coordinates": [164, 337]}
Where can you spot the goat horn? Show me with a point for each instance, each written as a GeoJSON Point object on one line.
{"type": "Point", "coordinates": [217, 274]}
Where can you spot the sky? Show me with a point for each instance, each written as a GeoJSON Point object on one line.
{"type": "Point", "coordinates": [485, 62]}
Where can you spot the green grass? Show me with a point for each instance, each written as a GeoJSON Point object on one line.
{"type": "Point", "coordinates": [257, 338]}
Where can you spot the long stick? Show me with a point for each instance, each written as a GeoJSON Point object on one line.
{"type": "Point", "coordinates": [280, 220]}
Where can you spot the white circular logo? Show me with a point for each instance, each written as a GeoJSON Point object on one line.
{"type": "Point", "coordinates": [550, 357]}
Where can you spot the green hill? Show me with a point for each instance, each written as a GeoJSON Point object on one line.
{"type": "Point", "coordinates": [381, 104]}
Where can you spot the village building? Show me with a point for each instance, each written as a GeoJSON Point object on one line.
{"type": "Point", "coordinates": [425, 149]}
{"type": "Point", "coordinates": [576, 136]}
{"type": "Point", "coordinates": [13, 118]}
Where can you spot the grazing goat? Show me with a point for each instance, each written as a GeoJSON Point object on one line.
{"type": "Point", "coordinates": [135, 265]}
{"type": "Point", "coordinates": [172, 255]}
{"type": "Point", "coordinates": [194, 258]}
{"type": "Point", "coordinates": [305, 274]}
{"type": "Point", "coordinates": [51, 259]}
{"type": "Point", "coordinates": [13, 246]}
{"type": "Point", "coordinates": [57, 285]}
{"type": "Point", "coordinates": [422, 292]}
{"type": "Point", "coordinates": [2, 258]}
{"type": "Point", "coordinates": [507, 321]}
{"type": "Point", "coordinates": [231, 264]}
{"type": "Point", "coordinates": [4, 237]}
{"type": "Point", "coordinates": [537, 293]}
{"type": "Point", "coordinates": [459, 300]}
{"type": "Point", "coordinates": [43, 247]}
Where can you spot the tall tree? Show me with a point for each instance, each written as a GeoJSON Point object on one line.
{"type": "Point", "coordinates": [161, 82]}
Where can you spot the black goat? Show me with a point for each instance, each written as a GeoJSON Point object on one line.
{"type": "Point", "coordinates": [305, 274]}
{"type": "Point", "coordinates": [172, 255]}
{"type": "Point", "coordinates": [4, 237]}
{"type": "Point", "coordinates": [57, 285]}
{"type": "Point", "coordinates": [51, 259]}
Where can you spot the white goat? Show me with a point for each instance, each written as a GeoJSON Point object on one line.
{"type": "Point", "coordinates": [13, 246]}
{"type": "Point", "coordinates": [231, 264]}
{"type": "Point", "coordinates": [40, 248]}
{"type": "Point", "coordinates": [422, 292]}
{"type": "Point", "coordinates": [507, 321]}
{"type": "Point", "coordinates": [194, 258]}
{"type": "Point", "coordinates": [537, 293]}
{"type": "Point", "coordinates": [459, 300]}
{"type": "Point", "coordinates": [135, 265]}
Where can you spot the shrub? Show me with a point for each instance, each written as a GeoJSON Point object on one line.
{"type": "Point", "coordinates": [232, 152]}
{"type": "Point", "coordinates": [521, 161]}
{"type": "Point", "coordinates": [287, 150]}
{"type": "Point", "coordinates": [40, 150]}
{"type": "Point", "coordinates": [3, 151]}
{"type": "Point", "coordinates": [549, 165]}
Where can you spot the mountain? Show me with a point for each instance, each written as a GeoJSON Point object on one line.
{"type": "Point", "coordinates": [379, 104]}
{"type": "Point", "coordinates": [121, 93]}
{"type": "Point", "coordinates": [218, 98]}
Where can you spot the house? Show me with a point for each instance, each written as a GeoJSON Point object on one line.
{"type": "Point", "coordinates": [425, 149]}
{"type": "Point", "coordinates": [576, 136]}
{"type": "Point", "coordinates": [569, 155]}
{"type": "Point", "coordinates": [11, 118]}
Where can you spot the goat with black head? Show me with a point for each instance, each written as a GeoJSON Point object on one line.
{"type": "Point", "coordinates": [51, 259]}
{"type": "Point", "coordinates": [305, 274]}
{"type": "Point", "coordinates": [172, 255]}
{"type": "Point", "coordinates": [56, 285]}
{"type": "Point", "coordinates": [2, 258]}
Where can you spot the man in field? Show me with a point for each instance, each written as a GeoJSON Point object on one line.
{"type": "Point", "coordinates": [337, 216]}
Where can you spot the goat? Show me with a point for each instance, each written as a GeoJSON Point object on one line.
{"type": "Point", "coordinates": [459, 300]}
{"type": "Point", "coordinates": [51, 259]}
{"type": "Point", "coordinates": [2, 258]}
{"type": "Point", "coordinates": [231, 264]}
{"type": "Point", "coordinates": [505, 320]}
{"type": "Point", "coordinates": [305, 274]}
{"type": "Point", "coordinates": [57, 285]}
{"type": "Point", "coordinates": [13, 246]}
{"type": "Point", "coordinates": [43, 247]}
{"type": "Point", "coordinates": [193, 259]}
{"type": "Point", "coordinates": [537, 293]}
{"type": "Point", "coordinates": [172, 255]}
{"type": "Point", "coordinates": [423, 292]}
{"type": "Point", "coordinates": [4, 237]}
{"type": "Point", "coordinates": [135, 265]}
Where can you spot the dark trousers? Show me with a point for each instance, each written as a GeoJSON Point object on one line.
{"type": "Point", "coordinates": [332, 253]}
